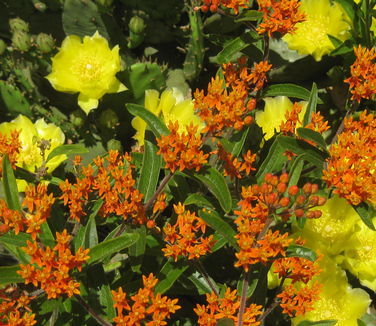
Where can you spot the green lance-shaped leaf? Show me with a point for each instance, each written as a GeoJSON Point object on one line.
{"type": "Point", "coordinates": [311, 107]}
{"type": "Point", "coordinates": [90, 238]}
{"type": "Point", "coordinates": [8, 274]}
{"type": "Point", "coordinates": [318, 323]}
{"type": "Point", "coordinates": [216, 184]}
{"type": "Point", "coordinates": [300, 251]}
{"type": "Point", "coordinates": [235, 144]}
{"type": "Point", "coordinates": [67, 150]}
{"type": "Point", "coordinates": [151, 166]}
{"type": "Point", "coordinates": [296, 170]}
{"type": "Point", "coordinates": [198, 200]}
{"type": "Point", "coordinates": [109, 247]}
{"type": "Point", "coordinates": [137, 250]}
{"type": "Point", "coordinates": [312, 135]}
{"type": "Point", "coordinates": [366, 213]}
{"type": "Point", "coordinates": [289, 90]}
{"type": "Point", "coordinates": [169, 274]}
{"type": "Point", "coordinates": [215, 221]}
{"type": "Point", "coordinates": [155, 124]}
{"type": "Point", "coordinates": [10, 185]}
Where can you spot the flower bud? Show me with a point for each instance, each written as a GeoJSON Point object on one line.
{"type": "Point", "coordinates": [293, 190]}
{"type": "Point", "coordinates": [204, 8]}
{"type": "Point", "coordinates": [3, 46]}
{"type": "Point", "coordinates": [313, 200]}
{"type": "Point", "coordinates": [274, 180]}
{"type": "Point", "coordinates": [21, 41]}
{"type": "Point", "coordinates": [271, 198]}
{"type": "Point", "coordinates": [45, 43]}
{"type": "Point", "coordinates": [109, 119]}
{"type": "Point", "coordinates": [281, 187]}
{"type": "Point", "coordinates": [264, 189]}
{"type": "Point", "coordinates": [115, 145]}
{"type": "Point", "coordinates": [40, 6]}
{"type": "Point", "coordinates": [300, 200]}
{"type": "Point", "coordinates": [322, 201]}
{"type": "Point", "coordinates": [315, 188]}
{"type": "Point", "coordinates": [248, 120]}
{"type": "Point", "coordinates": [213, 8]}
{"type": "Point", "coordinates": [284, 202]}
{"type": "Point", "coordinates": [137, 25]}
{"type": "Point", "coordinates": [314, 214]}
{"type": "Point", "coordinates": [77, 118]}
{"type": "Point", "coordinates": [299, 212]}
{"type": "Point", "coordinates": [251, 104]}
{"type": "Point", "coordinates": [18, 25]}
{"type": "Point", "coordinates": [268, 177]}
{"type": "Point", "coordinates": [150, 224]}
{"type": "Point", "coordinates": [307, 188]}
{"type": "Point", "coordinates": [284, 177]}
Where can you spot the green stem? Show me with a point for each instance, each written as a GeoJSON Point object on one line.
{"type": "Point", "coordinates": [368, 22]}
{"type": "Point", "coordinates": [97, 317]}
{"type": "Point", "coordinates": [206, 276]}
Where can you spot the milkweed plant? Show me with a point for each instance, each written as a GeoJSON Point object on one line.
{"type": "Point", "coordinates": [188, 162]}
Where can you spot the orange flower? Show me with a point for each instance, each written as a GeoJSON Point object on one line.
{"type": "Point", "coordinates": [363, 74]}
{"type": "Point", "coordinates": [226, 307]}
{"type": "Point", "coordinates": [149, 308]}
{"type": "Point", "coordinates": [160, 203]}
{"type": "Point", "coordinates": [52, 266]}
{"type": "Point", "coordinates": [185, 237]}
{"type": "Point", "coordinates": [317, 123]}
{"type": "Point", "coordinates": [279, 16]}
{"type": "Point", "coordinates": [9, 145]}
{"type": "Point", "coordinates": [351, 166]}
{"type": "Point", "coordinates": [182, 150]}
{"type": "Point", "coordinates": [292, 118]}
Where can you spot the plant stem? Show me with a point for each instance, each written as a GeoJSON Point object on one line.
{"type": "Point", "coordinates": [163, 183]}
{"type": "Point", "coordinates": [98, 318]}
{"type": "Point", "coordinates": [352, 109]}
{"type": "Point", "coordinates": [206, 276]}
{"type": "Point", "coordinates": [368, 24]}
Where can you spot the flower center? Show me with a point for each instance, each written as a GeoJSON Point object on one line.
{"type": "Point", "coordinates": [315, 30]}
{"type": "Point", "coordinates": [88, 69]}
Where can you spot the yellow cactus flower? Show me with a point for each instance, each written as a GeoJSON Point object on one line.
{"type": "Point", "coordinates": [360, 255]}
{"type": "Point", "coordinates": [330, 232]}
{"type": "Point", "coordinates": [30, 156]}
{"type": "Point", "coordinates": [172, 107]}
{"type": "Point", "coordinates": [274, 113]}
{"type": "Point", "coordinates": [87, 67]}
{"type": "Point", "coordinates": [337, 300]}
{"type": "Point", "coordinates": [323, 18]}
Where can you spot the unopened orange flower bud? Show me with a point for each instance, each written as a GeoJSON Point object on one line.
{"type": "Point", "coordinates": [284, 177]}
{"type": "Point", "coordinates": [256, 189]}
{"type": "Point", "coordinates": [274, 180]}
{"type": "Point", "coordinates": [284, 202]}
{"type": "Point", "coordinates": [314, 214]}
{"type": "Point", "coordinates": [293, 190]}
{"type": "Point", "coordinates": [299, 212]}
{"type": "Point", "coordinates": [213, 8]}
{"type": "Point", "coordinates": [204, 8]}
{"type": "Point", "coordinates": [238, 125]}
{"type": "Point", "coordinates": [150, 224]}
{"type": "Point", "coordinates": [307, 188]}
{"type": "Point", "coordinates": [251, 104]}
{"type": "Point", "coordinates": [264, 189]}
{"type": "Point", "coordinates": [313, 200]}
{"type": "Point", "coordinates": [315, 188]}
{"type": "Point", "coordinates": [248, 120]}
{"type": "Point", "coordinates": [271, 198]}
{"type": "Point", "coordinates": [322, 201]}
{"type": "Point", "coordinates": [268, 177]}
{"type": "Point", "coordinates": [281, 187]}
{"type": "Point", "coordinates": [300, 199]}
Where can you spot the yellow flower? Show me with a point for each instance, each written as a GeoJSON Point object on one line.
{"type": "Point", "coordinates": [30, 156]}
{"type": "Point", "coordinates": [87, 67]}
{"type": "Point", "coordinates": [322, 19]}
{"type": "Point", "coordinates": [360, 256]}
{"type": "Point", "coordinates": [330, 233]}
{"type": "Point", "coordinates": [172, 107]}
{"type": "Point", "coordinates": [274, 113]}
{"type": "Point", "coordinates": [337, 300]}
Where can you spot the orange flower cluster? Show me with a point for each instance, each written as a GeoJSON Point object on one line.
{"type": "Point", "coordinates": [213, 5]}
{"type": "Point", "coordinates": [229, 108]}
{"type": "Point", "coordinates": [149, 308]}
{"type": "Point", "coordinates": [297, 299]}
{"type": "Point", "coordinates": [53, 266]}
{"type": "Point", "coordinates": [351, 166]}
{"type": "Point", "coordinates": [317, 123]}
{"type": "Point", "coordinates": [39, 206]}
{"type": "Point", "coordinates": [186, 236]}
{"type": "Point", "coordinates": [226, 307]}
{"type": "Point", "coordinates": [256, 243]}
{"type": "Point", "coordinates": [233, 166]}
{"type": "Point", "coordinates": [181, 151]}
{"type": "Point", "coordinates": [279, 16]}
{"type": "Point", "coordinates": [111, 181]}
{"type": "Point", "coordinates": [13, 306]}
{"type": "Point", "coordinates": [363, 74]}
{"type": "Point", "coordinates": [9, 145]}
{"type": "Point", "coordinates": [160, 204]}
{"type": "Point", "coordinates": [292, 118]}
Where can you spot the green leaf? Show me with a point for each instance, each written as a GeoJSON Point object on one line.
{"type": "Point", "coordinates": [235, 144]}
{"type": "Point", "coordinates": [317, 323]}
{"type": "Point", "coordinates": [13, 99]}
{"type": "Point", "coordinates": [67, 150]}
{"type": "Point", "coordinates": [105, 298]}
{"type": "Point", "coordinates": [168, 275]}
{"type": "Point", "coordinates": [312, 135]}
{"type": "Point", "coordinates": [10, 185]}
{"type": "Point", "coordinates": [361, 323]}
{"type": "Point", "coordinates": [348, 6]}
{"type": "Point", "coordinates": [198, 200]}
{"type": "Point", "coordinates": [109, 247]}
{"type": "Point", "coordinates": [46, 236]}
{"type": "Point", "coordinates": [149, 174]}
{"type": "Point", "coordinates": [300, 251]}
{"type": "Point", "coordinates": [215, 221]}
{"type": "Point", "coordinates": [200, 283]}
{"type": "Point", "coordinates": [90, 238]}
{"type": "Point", "coordinates": [249, 15]}
{"type": "Point", "coordinates": [137, 250]}
{"type": "Point", "coordinates": [225, 322]}
{"type": "Point", "coordinates": [216, 184]}
{"type": "Point", "coordinates": [366, 213]}
{"type": "Point", "coordinates": [154, 123]}
{"type": "Point", "coordinates": [296, 170]}
{"type": "Point", "coordinates": [8, 274]}
{"type": "Point", "coordinates": [311, 106]}
{"type": "Point", "coordinates": [290, 90]}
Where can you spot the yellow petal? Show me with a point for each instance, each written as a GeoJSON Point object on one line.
{"type": "Point", "coordinates": [86, 103]}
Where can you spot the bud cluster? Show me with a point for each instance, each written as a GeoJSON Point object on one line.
{"type": "Point", "coordinates": [286, 201]}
